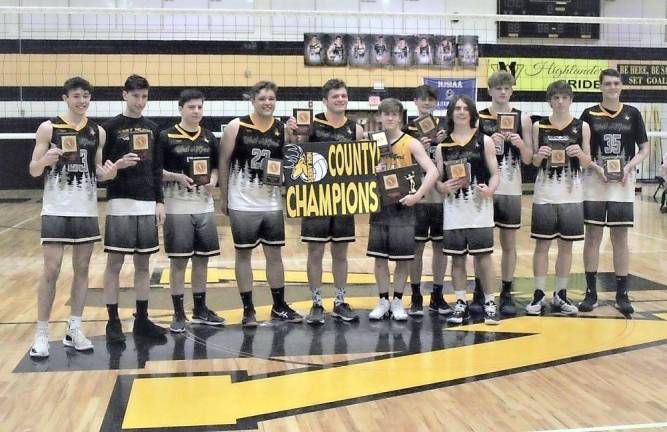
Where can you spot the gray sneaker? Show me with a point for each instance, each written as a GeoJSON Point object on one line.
{"type": "Point", "coordinates": [316, 314]}
{"type": "Point", "coordinates": [344, 312]}
{"type": "Point", "coordinates": [207, 317]}
{"type": "Point", "coordinates": [177, 323]}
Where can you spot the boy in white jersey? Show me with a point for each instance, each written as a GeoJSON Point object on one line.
{"type": "Point", "coordinates": [513, 147]}
{"type": "Point", "coordinates": [255, 209]}
{"type": "Point", "coordinates": [468, 204]}
{"type": "Point", "coordinates": [190, 173]}
{"type": "Point", "coordinates": [562, 150]}
{"type": "Point", "coordinates": [392, 229]}
{"type": "Point", "coordinates": [69, 149]}
{"type": "Point", "coordinates": [616, 129]}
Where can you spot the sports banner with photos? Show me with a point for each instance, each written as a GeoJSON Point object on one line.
{"type": "Point", "coordinates": [330, 179]}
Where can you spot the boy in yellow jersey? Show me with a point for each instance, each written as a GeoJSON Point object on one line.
{"type": "Point", "coordinates": [392, 229]}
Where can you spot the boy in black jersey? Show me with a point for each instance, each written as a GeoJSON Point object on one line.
{"type": "Point", "coordinates": [392, 229]}
{"type": "Point", "coordinates": [512, 149]}
{"type": "Point", "coordinates": [330, 126]}
{"type": "Point", "coordinates": [254, 208]}
{"type": "Point", "coordinates": [135, 207]}
{"type": "Point", "coordinates": [428, 212]}
{"type": "Point", "coordinates": [190, 162]}
{"type": "Point", "coordinates": [616, 129]}
{"type": "Point", "coordinates": [69, 207]}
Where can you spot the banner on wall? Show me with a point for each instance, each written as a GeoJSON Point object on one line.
{"type": "Point", "coordinates": [329, 179]}
{"type": "Point", "coordinates": [446, 88]}
{"type": "Point", "coordinates": [535, 74]}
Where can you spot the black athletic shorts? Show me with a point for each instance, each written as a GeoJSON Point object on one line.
{"type": "Point", "coordinates": [69, 230]}
{"type": "Point", "coordinates": [191, 234]}
{"type": "Point", "coordinates": [394, 242]}
{"type": "Point", "coordinates": [472, 241]}
{"type": "Point", "coordinates": [250, 228]}
{"type": "Point", "coordinates": [564, 221]}
{"type": "Point", "coordinates": [507, 211]}
{"type": "Point", "coordinates": [323, 229]}
{"type": "Point", "coordinates": [429, 222]}
{"type": "Point", "coordinates": [131, 234]}
{"type": "Point", "coordinates": [609, 213]}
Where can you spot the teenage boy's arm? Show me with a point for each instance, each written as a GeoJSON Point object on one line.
{"type": "Point", "coordinates": [108, 170]}
{"type": "Point", "coordinates": [541, 152]}
{"type": "Point", "coordinates": [168, 176]}
{"type": "Point", "coordinates": [583, 153]}
{"type": "Point", "coordinates": [644, 147]}
{"type": "Point", "coordinates": [227, 143]}
{"type": "Point", "coordinates": [42, 155]}
{"type": "Point", "coordinates": [487, 190]}
{"type": "Point", "coordinates": [524, 145]}
{"type": "Point", "coordinates": [427, 166]}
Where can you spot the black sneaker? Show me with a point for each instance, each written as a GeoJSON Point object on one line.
{"type": "Point", "coordinates": [623, 304]}
{"type": "Point", "coordinates": [207, 317]}
{"type": "Point", "coordinates": [344, 312]}
{"type": "Point", "coordinates": [439, 305]}
{"type": "Point", "coordinates": [147, 328]}
{"type": "Point", "coordinates": [249, 318]}
{"type": "Point", "coordinates": [316, 314]}
{"type": "Point", "coordinates": [507, 306]}
{"type": "Point", "coordinates": [416, 305]}
{"type": "Point", "coordinates": [285, 313]}
{"type": "Point", "coordinates": [476, 307]}
{"type": "Point", "coordinates": [590, 301]}
{"type": "Point", "coordinates": [461, 313]}
{"type": "Point", "coordinates": [115, 332]}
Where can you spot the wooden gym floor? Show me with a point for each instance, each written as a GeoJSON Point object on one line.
{"type": "Point", "coordinates": [598, 370]}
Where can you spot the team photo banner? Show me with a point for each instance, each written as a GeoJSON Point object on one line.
{"type": "Point", "coordinates": [330, 179]}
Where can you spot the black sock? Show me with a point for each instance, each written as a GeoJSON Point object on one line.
{"type": "Point", "coordinates": [416, 291]}
{"type": "Point", "coordinates": [478, 285]}
{"type": "Point", "coordinates": [384, 295]}
{"type": "Point", "coordinates": [177, 300]}
{"type": "Point", "coordinates": [112, 310]}
{"type": "Point", "coordinates": [200, 301]}
{"type": "Point", "coordinates": [142, 309]}
{"type": "Point", "coordinates": [591, 281]}
{"type": "Point", "coordinates": [278, 295]}
{"type": "Point", "coordinates": [621, 285]}
{"type": "Point", "coordinates": [437, 291]}
{"type": "Point", "coordinates": [397, 295]}
{"type": "Point", "coordinates": [246, 298]}
{"type": "Point", "coordinates": [507, 287]}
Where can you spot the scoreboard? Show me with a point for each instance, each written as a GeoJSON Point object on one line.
{"type": "Point", "coordinates": [578, 8]}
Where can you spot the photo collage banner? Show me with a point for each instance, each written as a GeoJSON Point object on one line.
{"type": "Point", "coordinates": [366, 50]}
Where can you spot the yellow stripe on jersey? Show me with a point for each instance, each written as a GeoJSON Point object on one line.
{"type": "Point", "coordinates": [606, 113]}
{"type": "Point", "coordinates": [328, 123]}
{"type": "Point", "coordinates": [184, 135]}
{"type": "Point", "coordinates": [68, 125]}
{"type": "Point", "coordinates": [253, 126]}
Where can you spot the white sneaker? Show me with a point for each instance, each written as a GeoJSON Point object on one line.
{"type": "Point", "coordinates": [76, 339]}
{"type": "Point", "coordinates": [381, 310]}
{"type": "Point", "coordinates": [398, 310]}
{"type": "Point", "coordinates": [563, 304]}
{"type": "Point", "coordinates": [490, 315]}
{"type": "Point", "coordinates": [40, 347]}
{"type": "Point", "coordinates": [536, 306]}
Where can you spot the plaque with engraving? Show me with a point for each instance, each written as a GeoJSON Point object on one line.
{"type": "Point", "coordinates": [396, 183]}
{"type": "Point", "coordinates": [69, 144]}
{"type": "Point", "coordinates": [200, 170]}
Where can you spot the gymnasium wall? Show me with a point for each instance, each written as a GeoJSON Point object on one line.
{"type": "Point", "coordinates": [225, 54]}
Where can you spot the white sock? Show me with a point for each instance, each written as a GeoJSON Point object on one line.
{"type": "Point", "coordinates": [488, 298]}
{"type": "Point", "coordinates": [460, 295]}
{"type": "Point", "coordinates": [561, 284]}
{"type": "Point", "coordinates": [74, 321]}
{"type": "Point", "coordinates": [43, 327]}
{"type": "Point", "coordinates": [540, 283]}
